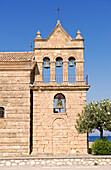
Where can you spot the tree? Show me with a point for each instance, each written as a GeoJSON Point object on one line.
{"type": "Point", "coordinates": [95, 115]}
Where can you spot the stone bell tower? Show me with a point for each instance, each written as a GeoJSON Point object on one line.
{"type": "Point", "coordinates": [59, 94]}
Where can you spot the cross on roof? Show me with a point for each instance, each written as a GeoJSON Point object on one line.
{"type": "Point", "coordinates": [58, 10]}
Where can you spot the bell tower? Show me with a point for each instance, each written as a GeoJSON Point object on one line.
{"type": "Point", "coordinates": [59, 94]}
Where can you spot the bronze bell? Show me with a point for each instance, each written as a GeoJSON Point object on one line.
{"type": "Point", "coordinates": [71, 64]}
{"type": "Point", "coordinates": [59, 104]}
{"type": "Point", "coordinates": [47, 65]}
{"type": "Point", "coordinates": [58, 64]}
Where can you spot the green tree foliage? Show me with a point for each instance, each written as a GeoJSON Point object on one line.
{"type": "Point", "coordinates": [101, 147]}
{"type": "Point", "coordinates": [95, 115]}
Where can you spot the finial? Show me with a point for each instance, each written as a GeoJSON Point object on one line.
{"type": "Point", "coordinates": [78, 35]}
{"type": "Point", "coordinates": [78, 32]}
{"type": "Point", "coordinates": [58, 22]}
{"type": "Point", "coordinates": [38, 35]}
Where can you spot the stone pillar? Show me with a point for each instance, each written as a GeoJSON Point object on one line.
{"type": "Point", "coordinates": [52, 71]}
{"type": "Point", "coordinates": [65, 71]}
{"type": "Point", "coordinates": [39, 74]}
{"type": "Point", "coordinates": [35, 124]}
{"type": "Point", "coordinates": [79, 71]}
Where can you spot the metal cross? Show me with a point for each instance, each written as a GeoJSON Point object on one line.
{"type": "Point", "coordinates": [58, 10]}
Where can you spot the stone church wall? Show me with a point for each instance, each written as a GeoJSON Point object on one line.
{"type": "Point", "coordinates": [15, 126]}
{"type": "Point", "coordinates": [55, 133]}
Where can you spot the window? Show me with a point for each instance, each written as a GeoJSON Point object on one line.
{"type": "Point", "coordinates": [1, 112]}
{"type": "Point", "coordinates": [46, 70]}
{"type": "Point", "coordinates": [59, 70]}
{"type": "Point", "coordinates": [71, 70]}
{"type": "Point", "coordinates": [59, 103]}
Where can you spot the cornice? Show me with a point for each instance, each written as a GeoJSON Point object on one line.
{"type": "Point", "coordinates": [79, 61]}
{"type": "Point", "coordinates": [61, 88]}
{"type": "Point", "coordinates": [66, 48]}
{"type": "Point", "coordinates": [46, 40]}
{"type": "Point", "coordinates": [17, 66]}
{"type": "Point", "coordinates": [78, 39]}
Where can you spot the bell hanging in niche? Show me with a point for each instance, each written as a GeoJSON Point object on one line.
{"type": "Point", "coordinates": [58, 64]}
{"type": "Point", "coordinates": [47, 65]}
{"type": "Point", "coordinates": [71, 64]}
{"type": "Point", "coordinates": [59, 104]}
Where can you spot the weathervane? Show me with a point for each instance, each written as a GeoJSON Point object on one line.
{"type": "Point", "coordinates": [58, 10]}
{"type": "Point", "coordinates": [31, 46]}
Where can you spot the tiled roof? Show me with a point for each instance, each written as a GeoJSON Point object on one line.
{"type": "Point", "coordinates": [16, 56]}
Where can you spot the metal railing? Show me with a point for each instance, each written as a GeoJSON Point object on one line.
{"type": "Point", "coordinates": [46, 79]}
{"type": "Point", "coordinates": [86, 79]}
{"type": "Point", "coordinates": [59, 78]}
{"type": "Point", "coordinates": [71, 78]}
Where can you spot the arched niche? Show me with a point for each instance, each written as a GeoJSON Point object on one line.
{"type": "Point", "coordinates": [59, 70]}
{"type": "Point", "coordinates": [2, 112]}
{"type": "Point", "coordinates": [71, 70]}
{"type": "Point", "coordinates": [59, 137]}
{"type": "Point", "coordinates": [46, 70]}
{"type": "Point", "coordinates": [59, 100]}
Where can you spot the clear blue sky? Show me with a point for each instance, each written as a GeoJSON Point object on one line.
{"type": "Point", "coordinates": [21, 19]}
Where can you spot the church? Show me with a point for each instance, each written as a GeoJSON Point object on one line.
{"type": "Point", "coordinates": [41, 94]}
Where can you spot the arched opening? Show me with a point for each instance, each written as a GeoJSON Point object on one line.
{"type": "Point", "coordinates": [71, 70]}
{"type": "Point", "coordinates": [1, 112]}
{"type": "Point", "coordinates": [46, 70]}
{"type": "Point", "coordinates": [59, 70]}
{"type": "Point", "coordinates": [59, 103]}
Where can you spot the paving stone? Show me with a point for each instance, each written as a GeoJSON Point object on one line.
{"type": "Point", "coordinates": [8, 163]}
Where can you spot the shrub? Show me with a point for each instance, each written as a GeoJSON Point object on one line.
{"type": "Point", "coordinates": [101, 147]}
{"type": "Point", "coordinates": [95, 163]}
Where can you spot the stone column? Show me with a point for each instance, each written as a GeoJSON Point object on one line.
{"type": "Point", "coordinates": [79, 71]}
{"type": "Point", "coordinates": [34, 124]}
{"type": "Point", "coordinates": [52, 71]}
{"type": "Point", "coordinates": [65, 71]}
{"type": "Point", "coordinates": [39, 72]}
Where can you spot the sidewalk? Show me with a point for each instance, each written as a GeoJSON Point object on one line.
{"type": "Point", "coordinates": [57, 168]}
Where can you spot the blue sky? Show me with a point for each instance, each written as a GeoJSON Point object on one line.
{"type": "Point", "coordinates": [21, 19]}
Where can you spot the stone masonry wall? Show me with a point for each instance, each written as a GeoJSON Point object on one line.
{"type": "Point", "coordinates": [15, 126]}
{"type": "Point", "coordinates": [55, 133]}
{"type": "Point", "coordinates": [68, 161]}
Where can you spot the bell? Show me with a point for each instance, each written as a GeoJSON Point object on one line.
{"type": "Point", "coordinates": [59, 104]}
{"type": "Point", "coordinates": [47, 65]}
{"type": "Point", "coordinates": [71, 64]}
{"type": "Point", "coordinates": [58, 64]}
